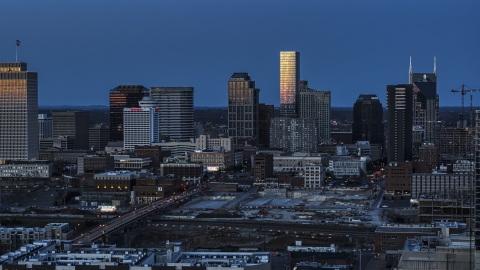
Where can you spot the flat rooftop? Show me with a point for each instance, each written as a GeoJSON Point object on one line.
{"type": "Point", "coordinates": [406, 229]}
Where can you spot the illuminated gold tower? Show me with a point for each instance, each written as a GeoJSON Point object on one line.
{"type": "Point", "coordinates": [289, 83]}
{"type": "Point", "coordinates": [18, 112]}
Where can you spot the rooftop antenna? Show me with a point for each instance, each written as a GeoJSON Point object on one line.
{"type": "Point", "coordinates": [410, 72]}
{"type": "Point", "coordinates": [435, 65]}
{"type": "Point", "coordinates": [16, 50]}
{"type": "Point", "coordinates": [410, 69]}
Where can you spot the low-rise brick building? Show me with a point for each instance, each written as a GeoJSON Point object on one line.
{"type": "Point", "coordinates": [187, 171]}
{"type": "Point", "coordinates": [115, 181]}
{"type": "Point", "coordinates": [152, 189]}
{"type": "Point", "coordinates": [94, 164]}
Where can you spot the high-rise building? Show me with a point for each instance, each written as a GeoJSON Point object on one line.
{"type": "Point", "coordinates": [454, 144]}
{"type": "Point", "coordinates": [265, 114]}
{"type": "Point", "coordinates": [399, 138]}
{"type": "Point", "coordinates": [477, 189]}
{"type": "Point", "coordinates": [289, 83]}
{"type": "Point", "coordinates": [425, 101]}
{"type": "Point", "coordinates": [294, 134]}
{"type": "Point", "coordinates": [368, 119]}
{"type": "Point", "coordinates": [123, 96]}
{"type": "Point", "coordinates": [73, 124]}
{"type": "Point", "coordinates": [316, 104]}
{"type": "Point", "coordinates": [18, 112]}
{"type": "Point", "coordinates": [44, 126]}
{"type": "Point", "coordinates": [141, 125]}
{"type": "Point", "coordinates": [243, 105]}
{"type": "Point", "coordinates": [262, 167]}
{"type": "Point", "coordinates": [176, 114]}
{"type": "Point", "coordinates": [428, 152]}
{"type": "Point", "coordinates": [98, 137]}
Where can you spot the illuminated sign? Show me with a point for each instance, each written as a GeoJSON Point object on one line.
{"type": "Point", "coordinates": [107, 208]}
{"type": "Point", "coordinates": [212, 169]}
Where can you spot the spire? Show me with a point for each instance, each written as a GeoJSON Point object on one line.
{"type": "Point", "coordinates": [435, 65]}
{"type": "Point", "coordinates": [410, 69]}
{"type": "Point", "coordinates": [410, 72]}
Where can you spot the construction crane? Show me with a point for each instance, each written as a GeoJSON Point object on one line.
{"type": "Point", "coordinates": [464, 92]}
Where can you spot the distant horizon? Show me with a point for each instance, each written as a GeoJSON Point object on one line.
{"type": "Point", "coordinates": [106, 106]}
{"type": "Point", "coordinates": [82, 49]}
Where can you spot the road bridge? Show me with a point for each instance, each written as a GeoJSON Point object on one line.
{"type": "Point", "coordinates": [140, 214]}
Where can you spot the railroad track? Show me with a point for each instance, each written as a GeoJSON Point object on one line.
{"type": "Point", "coordinates": [263, 226]}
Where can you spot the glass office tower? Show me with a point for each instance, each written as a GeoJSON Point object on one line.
{"type": "Point", "coordinates": [176, 114]}
{"type": "Point", "coordinates": [18, 112]}
{"type": "Point", "coordinates": [289, 83]}
{"type": "Point", "coordinates": [123, 96]}
{"type": "Point", "coordinates": [243, 105]}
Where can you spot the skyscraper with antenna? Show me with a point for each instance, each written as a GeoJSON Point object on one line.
{"type": "Point", "coordinates": [426, 101]}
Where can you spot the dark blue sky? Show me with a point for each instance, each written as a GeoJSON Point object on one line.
{"type": "Point", "coordinates": [82, 49]}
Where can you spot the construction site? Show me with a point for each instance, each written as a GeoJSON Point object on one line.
{"type": "Point", "coordinates": [453, 206]}
{"type": "Point", "coordinates": [444, 196]}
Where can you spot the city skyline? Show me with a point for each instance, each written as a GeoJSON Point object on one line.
{"type": "Point", "coordinates": [347, 48]}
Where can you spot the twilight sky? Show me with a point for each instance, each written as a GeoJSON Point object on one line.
{"type": "Point", "coordinates": [82, 49]}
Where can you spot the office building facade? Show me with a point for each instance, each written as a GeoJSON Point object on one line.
{"type": "Point", "coordinates": [123, 96]}
{"type": "Point", "coordinates": [294, 134]}
{"type": "Point", "coordinates": [262, 166]}
{"type": "Point", "coordinates": [368, 119]}
{"type": "Point", "coordinates": [399, 105]}
{"type": "Point", "coordinates": [18, 112]}
{"type": "Point", "coordinates": [98, 137]}
{"type": "Point", "coordinates": [94, 164]}
{"type": "Point", "coordinates": [398, 177]}
{"type": "Point", "coordinates": [141, 125]}
{"type": "Point", "coordinates": [316, 105]}
{"type": "Point", "coordinates": [425, 101]}
{"type": "Point", "coordinates": [428, 152]}
{"type": "Point", "coordinates": [243, 103]}
{"type": "Point", "coordinates": [60, 142]}
{"type": "Point", "coordinates": [289, 82]}
{"type": "Point", "coordinates": [454, 144]}
{"type": "Point", "coordinates": [45, 127]}
{"type": "Point", "coordinates": [176, 114]}
{"type": "Point", "coordinates": [265, 115]}
{"type": "Point", "coordinates": [73, 124]}
{"type": "Point", "coordinates": [205, 142]}
{"type": "Point", "coordinates": [477, 189]}
{"type": "Point", "coordinates": [154, 152]}
{"type": "Point", "coordinates": [183, 170]}
{"type": "Point", "coordinates": [212, 160]}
